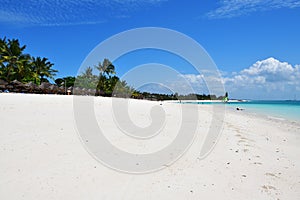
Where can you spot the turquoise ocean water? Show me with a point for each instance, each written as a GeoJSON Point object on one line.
{"type": "Point", "coordinates": [285, 110]}
{"type": "Point", "coordinates": [289, 110]}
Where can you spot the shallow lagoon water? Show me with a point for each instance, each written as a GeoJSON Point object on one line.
{"type": "Point", "coordinates": [284, 110]}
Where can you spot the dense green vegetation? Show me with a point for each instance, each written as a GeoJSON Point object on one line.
{"type": "Point", "coordinates": [15, 65]}
{"type": "Point", "coordinates": [106, 83]}
{"type": "Point", "coordinates": [66, 81]}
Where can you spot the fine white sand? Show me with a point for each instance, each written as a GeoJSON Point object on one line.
{"type": "Point", "coordinates": [42, 156]}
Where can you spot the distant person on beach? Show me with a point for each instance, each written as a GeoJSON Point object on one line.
{"type": "Point", "coordinates": [237, 108]}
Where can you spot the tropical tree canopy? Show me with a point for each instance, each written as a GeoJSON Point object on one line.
{"type": "Point", "coordinates": [43, 69]}
{"type": "Point", "coordinates": [105, 68]}
{"type": "Point", "coordinates": [66, 81]}
{"type": "Point", "coordinates": [87, 79]}
{"type": "Point", "coordinates": [17, 65]}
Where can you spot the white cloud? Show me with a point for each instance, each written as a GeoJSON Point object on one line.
{"type": "Point", "coordinates": [266, 79]}
{"type": "Point", "coordinates": [194, 78]}
{"type": "Point", "coordinates": [67, 12]}
{"type": "Point", "coordinates": [272, 70]}
{"type": "Point", "coordinates": [209, 82]}
{"type": "Point", "coordinates": [234, 8]}
{"type": "Point", "coordinates": [268, 71]}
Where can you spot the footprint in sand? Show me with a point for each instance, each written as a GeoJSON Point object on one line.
{"type": "Point", "coordinates": [271, 174]}
{"type": "Point", "coordinates": [267, 188]}
{"type": "Point", "coordinates": [270, 190]}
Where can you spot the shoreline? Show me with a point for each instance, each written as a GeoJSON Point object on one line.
{"type": "Point", "coordinates": [231, 108]}
{"type": "Point", "coordinates": [261, 114]}
{"type": "Point", "coordinates": [265, 116]}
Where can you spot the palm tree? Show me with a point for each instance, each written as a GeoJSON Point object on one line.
{"type": "Point", "coordinates": [2, 45]}
{"type": "Point", "coordinates": [43, 69]}
{"type": "Point", "coordinates": [24, 73]}
{"type": "Point", "coordinates": [12, 60]}
{"type": "Point", "coordinates": [87, 79]}
{"type": "Point", "coordinates": [106, 68]}
{"type": "Point", "coordinates": [109, 85]}
{"type": "Point", "coordinates": [88, 72]}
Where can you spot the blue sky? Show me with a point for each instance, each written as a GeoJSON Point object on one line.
{"type": "Point", "coordinates": [254, 43]}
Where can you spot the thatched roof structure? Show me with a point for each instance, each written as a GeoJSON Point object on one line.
{"type": "Point", "coordinates": [3, 84]}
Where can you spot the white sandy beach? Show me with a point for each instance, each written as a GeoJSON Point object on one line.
{"type": "Point", "coordinates": [42, 156]}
